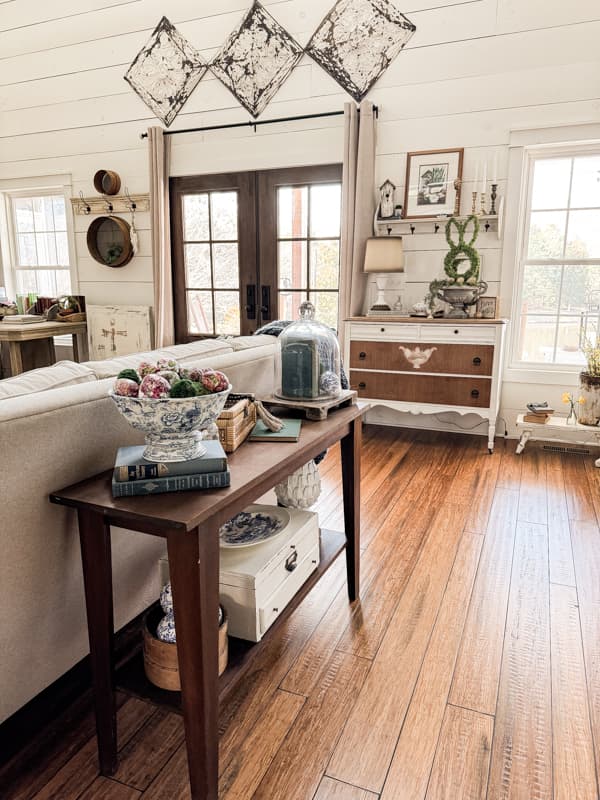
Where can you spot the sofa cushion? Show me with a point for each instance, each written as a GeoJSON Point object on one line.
{"type": "Point", "coordinates": [250, 342]}
{"type": "Point", "coordinates": [181, 352]}
{"type": "Point", "coordinates": [64, 373]}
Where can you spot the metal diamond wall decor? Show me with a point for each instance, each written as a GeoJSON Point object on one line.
{"type": "Point", "coordinates": [256, 59]}
{"type": "Point", "coordinates": [165, 71]}
{"type": "Point", "coordinates": [357, 41]}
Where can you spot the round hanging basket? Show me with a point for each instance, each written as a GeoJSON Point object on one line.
{"type": "Point", "coordinates": [109, 241]}
{"type": "Point", "coordinates": [107, 182]}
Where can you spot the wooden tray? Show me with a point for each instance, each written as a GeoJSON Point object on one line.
{"type": "Point", "coordinates": [315, 409]}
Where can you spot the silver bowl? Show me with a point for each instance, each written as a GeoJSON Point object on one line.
{"type": "Point", "coordinates": [172, 424]}
{"type": "Point", "coordinates": [460, 297]}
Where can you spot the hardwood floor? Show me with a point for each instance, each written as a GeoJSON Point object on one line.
{"type": "Point", "coordinates": [470, 669]}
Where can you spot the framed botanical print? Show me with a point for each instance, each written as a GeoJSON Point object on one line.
{"type": "Point", "coordinates": [486, 307]}
{"type": "Point", "coordinates": [433, 179]}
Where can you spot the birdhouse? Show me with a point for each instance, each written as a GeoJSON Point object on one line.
{"type": "Point", "coordinates": [386, 201]}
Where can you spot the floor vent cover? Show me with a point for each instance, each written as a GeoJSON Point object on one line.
{"type": "Point", "coordinates": [576, 451]}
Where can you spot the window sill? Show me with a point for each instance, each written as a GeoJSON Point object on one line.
{"type": "Point", "coordinates": [537, 374]}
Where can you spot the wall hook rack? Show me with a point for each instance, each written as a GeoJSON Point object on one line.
{"type": "Point", "coordinates": [132, 205]}
{"type": "Point", "coordinates": [118, 204]}
{"type": "Point", "coordinates": [85, 206]}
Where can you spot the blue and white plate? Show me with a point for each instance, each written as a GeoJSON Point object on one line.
{"type": "Point", "coordinates": [253, 527]}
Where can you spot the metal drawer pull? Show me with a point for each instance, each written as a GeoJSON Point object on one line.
{"type": "Point", "coordinates": [362, 385]}
{"type": "Point", "coordinates": [362, 355]}
{"type": "Point", "coordinates": [477, 361]}
{"type": "Point", "coordinates": [456, 330]}
{"type": "Point", "coordinates": [291, 562]}
{"type": "Point", "coordinates": [475, 393]}
{"type": "Point", "coordinates": [383, 330]}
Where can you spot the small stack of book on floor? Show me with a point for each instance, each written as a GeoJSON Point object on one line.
{"type": "Point", "coordinates": [134, 475]}
{"type": "Point", "coordinates": [539, 413]}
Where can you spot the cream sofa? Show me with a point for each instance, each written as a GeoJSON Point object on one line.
{"type": "Point", "coordinates": [58, 426]}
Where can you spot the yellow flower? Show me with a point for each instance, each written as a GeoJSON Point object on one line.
{"type": "Point", "coordinates": [566, 398]}
{"type": "Point", "coordinates": [581, 400]}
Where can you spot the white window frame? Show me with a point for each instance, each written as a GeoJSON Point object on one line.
{"type": "Point", "coordinates": [32, 187]}
{"type": "Point", "coordinates": [524, 148]}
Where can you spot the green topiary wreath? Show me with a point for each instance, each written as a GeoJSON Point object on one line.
{"type": "Point", "coordinates": [462, 251]}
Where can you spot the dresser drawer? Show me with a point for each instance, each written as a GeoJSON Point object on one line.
{"type": "Point", "coordinates": [376, 331]}
{"type": "Point", "coordinates": [441, 390]}
{"type": "Point", "coordinates": [461, 359]}
{"type": "Point", "coordinates": [483, 334]}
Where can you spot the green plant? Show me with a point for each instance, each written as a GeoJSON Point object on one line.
{"type": "Point", "coordinates": [592, 356]}
{"type": "Point", "coordinates": [462, 251]}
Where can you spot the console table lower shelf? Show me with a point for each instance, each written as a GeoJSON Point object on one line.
{"type": "Point", "coordinates": [190, 522]}
{"type": "Point", "coordinates": [559, 429]}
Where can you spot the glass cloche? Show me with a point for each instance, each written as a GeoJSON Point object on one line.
{"type": "Point", "coordinates": [309, 364]}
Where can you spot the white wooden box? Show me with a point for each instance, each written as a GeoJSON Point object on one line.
{"type": "Point", "coordinates": [256, 583]}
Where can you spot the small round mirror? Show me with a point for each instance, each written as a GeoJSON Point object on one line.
{"type": "Point", "coordinates": [109, 241]}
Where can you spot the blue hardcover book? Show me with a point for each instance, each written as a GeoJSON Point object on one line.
{"type": "Point", "coordinates": [130, 465]}
{"type": "Point", "coordinates": [174, 483]}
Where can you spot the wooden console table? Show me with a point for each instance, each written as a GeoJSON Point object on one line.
{"type": "Point", "coordinates": [559, 429]}
{"type": "Point", "coordinates": [190, 523]}
{"type": "Point", "coordinates": [32, 345]}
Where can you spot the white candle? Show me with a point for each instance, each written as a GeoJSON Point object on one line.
{"type": "Point", "coordinates": [476, 176]}
{"type": "Point", "coordinates": [484, 179]}
{"type": "Point", "coordinates": [495, 168]}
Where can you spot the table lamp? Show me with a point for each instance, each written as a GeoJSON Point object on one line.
{"type": "Point", "coordinates": [383, 254]}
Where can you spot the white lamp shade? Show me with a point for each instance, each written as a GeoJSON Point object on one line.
{"type": "Point", "coordinates": [384, 254]}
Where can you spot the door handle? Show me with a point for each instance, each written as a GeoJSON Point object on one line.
{"type": "Point", "coordinates": [251, 301]}
{"type": "Point", "coordinates": [265, 302]}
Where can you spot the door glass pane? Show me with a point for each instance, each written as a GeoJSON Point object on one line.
{"type": "Point", "coordinates": [585, 191]}
{"type": "Point", "coordinates": [583, 235]}
{"type": "Point", "coordinates": [541, 288]}
{"type": "Point", "coordinates": [289, 304]}
{"type": "Point", "coordinates": [199, 311]}
{"type": "Point", "coordinates": [326, 307]}
{"type": "Point", "coordinates": [324, 264]}
{"type": "Point", "coordinates": [551, 178]}
{"type": "Point", "coordinates": [325, 209]}
{"type": "Point", "coordinates": [570, 340]}
{"type": "Point", "coordinates": [224, 215]}
{"type": "Point", "coordinates": [537, 339]}
{"type": "Point", "coordinates": [292, 211]}
{"type": "Point", "coordinates": [195, 218]}
{"type": "Point", "coordinates": [292, 268]}
{"type": "Point", "coordinates": [197, 265]}
{"type": "Point", "coordinates": [227, 312]}
{"type": "Point", "coordinates": [547, 234]}
{"type": "Point", "coordinates": [225, 266]}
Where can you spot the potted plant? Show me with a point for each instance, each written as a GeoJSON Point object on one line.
{"type": "Point", "coordinates": [589, 388]}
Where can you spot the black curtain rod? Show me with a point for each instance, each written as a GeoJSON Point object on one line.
{"type": "Point", "coordinates": [255, 123]}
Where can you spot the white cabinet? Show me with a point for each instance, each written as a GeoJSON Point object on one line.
{"type": "Point", "coordinates": [425, 366]}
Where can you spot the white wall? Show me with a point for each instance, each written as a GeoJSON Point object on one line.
{"type": "Point", "coordinates": [473, 71]}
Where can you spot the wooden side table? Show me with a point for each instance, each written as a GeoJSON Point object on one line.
{"type": "Point", "coordinates": [32, 345]}
{"type": "Point", "coordinates": [560, 429]}
{"type": "Point", "coordinates": [190, 523]}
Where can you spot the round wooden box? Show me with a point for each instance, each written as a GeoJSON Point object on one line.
{"type": "Point", "coordinates": [160, 658]}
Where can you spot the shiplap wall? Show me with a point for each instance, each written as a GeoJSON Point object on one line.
{"type": "Point", "coordinates": [473, 71]}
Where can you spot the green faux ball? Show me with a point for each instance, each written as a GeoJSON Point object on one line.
{"type": "Point", "coordinates": [183, 388]}
{"type": "Point", "coordinates": [200, 389]}
{"type": "Point", "coordinates": [131, 374]}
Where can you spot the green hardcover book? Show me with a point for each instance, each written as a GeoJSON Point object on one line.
{"type": "Point", "coordinates": [130, 464]}
{"type": "Point", "coordinates": [289, 433]}
{"type": "Point", "coordinates": [175, 483]}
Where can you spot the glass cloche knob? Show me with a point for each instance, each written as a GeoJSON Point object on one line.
{"type": "Point", "coordinates": [307, 310]}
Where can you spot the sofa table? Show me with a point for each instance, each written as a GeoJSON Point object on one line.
{"type": "Point", "coordinates": [559, 429]}
{"type": "Point", "coordinates": [34, 341]}
{"type": "Point", "coordinates": [190, 523]}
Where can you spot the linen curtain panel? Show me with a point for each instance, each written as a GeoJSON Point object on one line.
{"type": "Point", "coordinates": [358, 206]}
{"type": "Point", "coordinates": [159, 154]}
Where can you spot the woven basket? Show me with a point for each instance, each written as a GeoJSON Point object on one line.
{"type": "Point", "coordinates": [76, 316]}
{"type": "Point", "coordinates": [160, 658]}
{"type": "Point", "coordinates": [236, 421]}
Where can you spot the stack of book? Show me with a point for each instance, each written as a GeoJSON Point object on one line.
{"type": "Point", "coordinates": [539, 413]}
{"type": "Point", "coordinates": [134, 475]}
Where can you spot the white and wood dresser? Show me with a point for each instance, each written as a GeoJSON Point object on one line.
{"type": "Point", "coordinates": [428, 366]}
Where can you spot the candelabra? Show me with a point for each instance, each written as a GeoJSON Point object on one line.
{"type": "Point", "coordinates": [493, 197]}
{"type": "Point", "coordinates": [483, 212]}
{"type": "Point", "coordinates": [474, 206]}
{"type": "Point", "coordinates": [457, 185]}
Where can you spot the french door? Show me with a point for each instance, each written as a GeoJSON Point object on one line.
{"type": "Point", "coordinates": [249, 247]}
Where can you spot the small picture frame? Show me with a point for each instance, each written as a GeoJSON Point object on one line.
{"type": "Point", "coordinates": [433, 180]}
{"type": "Point", "coordinates": [486, 308]}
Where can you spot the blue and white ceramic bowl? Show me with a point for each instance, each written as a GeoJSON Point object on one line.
{"type": "Point", "coordinates": [171, 423]}
{"type": "Point", "coordinates": [165, 630]}
{"type": "Point", "coordinates": [166, 598]}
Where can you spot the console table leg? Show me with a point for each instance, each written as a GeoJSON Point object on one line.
{"type": "Point", "coordinates": [194, 571]}
{"type": "Point", "coordinates": [350, 446]}
{"type": "Point", "coordinates": [525, 437]}
{"type": "Point", "coordinates": [94, 536]}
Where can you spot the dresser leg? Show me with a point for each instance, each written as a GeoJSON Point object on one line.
{"type": "Point", "coordinates": [194, 571]}
{"type": "Point", "coordinates": [491, 435]}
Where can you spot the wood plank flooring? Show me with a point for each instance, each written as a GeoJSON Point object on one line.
{"type": "Point", "coordinates": [469, 670]}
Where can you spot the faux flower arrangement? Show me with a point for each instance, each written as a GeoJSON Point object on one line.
{"type": "Point", "coordinates": [166, 378]}
{"type": "Point", "coordinates": [569, 397]}
{"type": "Point", "coordinates": [592, 356]}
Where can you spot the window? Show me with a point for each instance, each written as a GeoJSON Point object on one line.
{"type": "Point", "coordinates": [39, 244]}
{"type": "Point", "coordinates": [250, 247]}
{"type": "Point", "coordinates": [559, 307]}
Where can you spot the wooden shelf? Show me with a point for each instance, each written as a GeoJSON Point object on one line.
{"type": "Point", "coordinates": [131, 676]}
{"type": "Point", "coordinates": [426, 225]}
